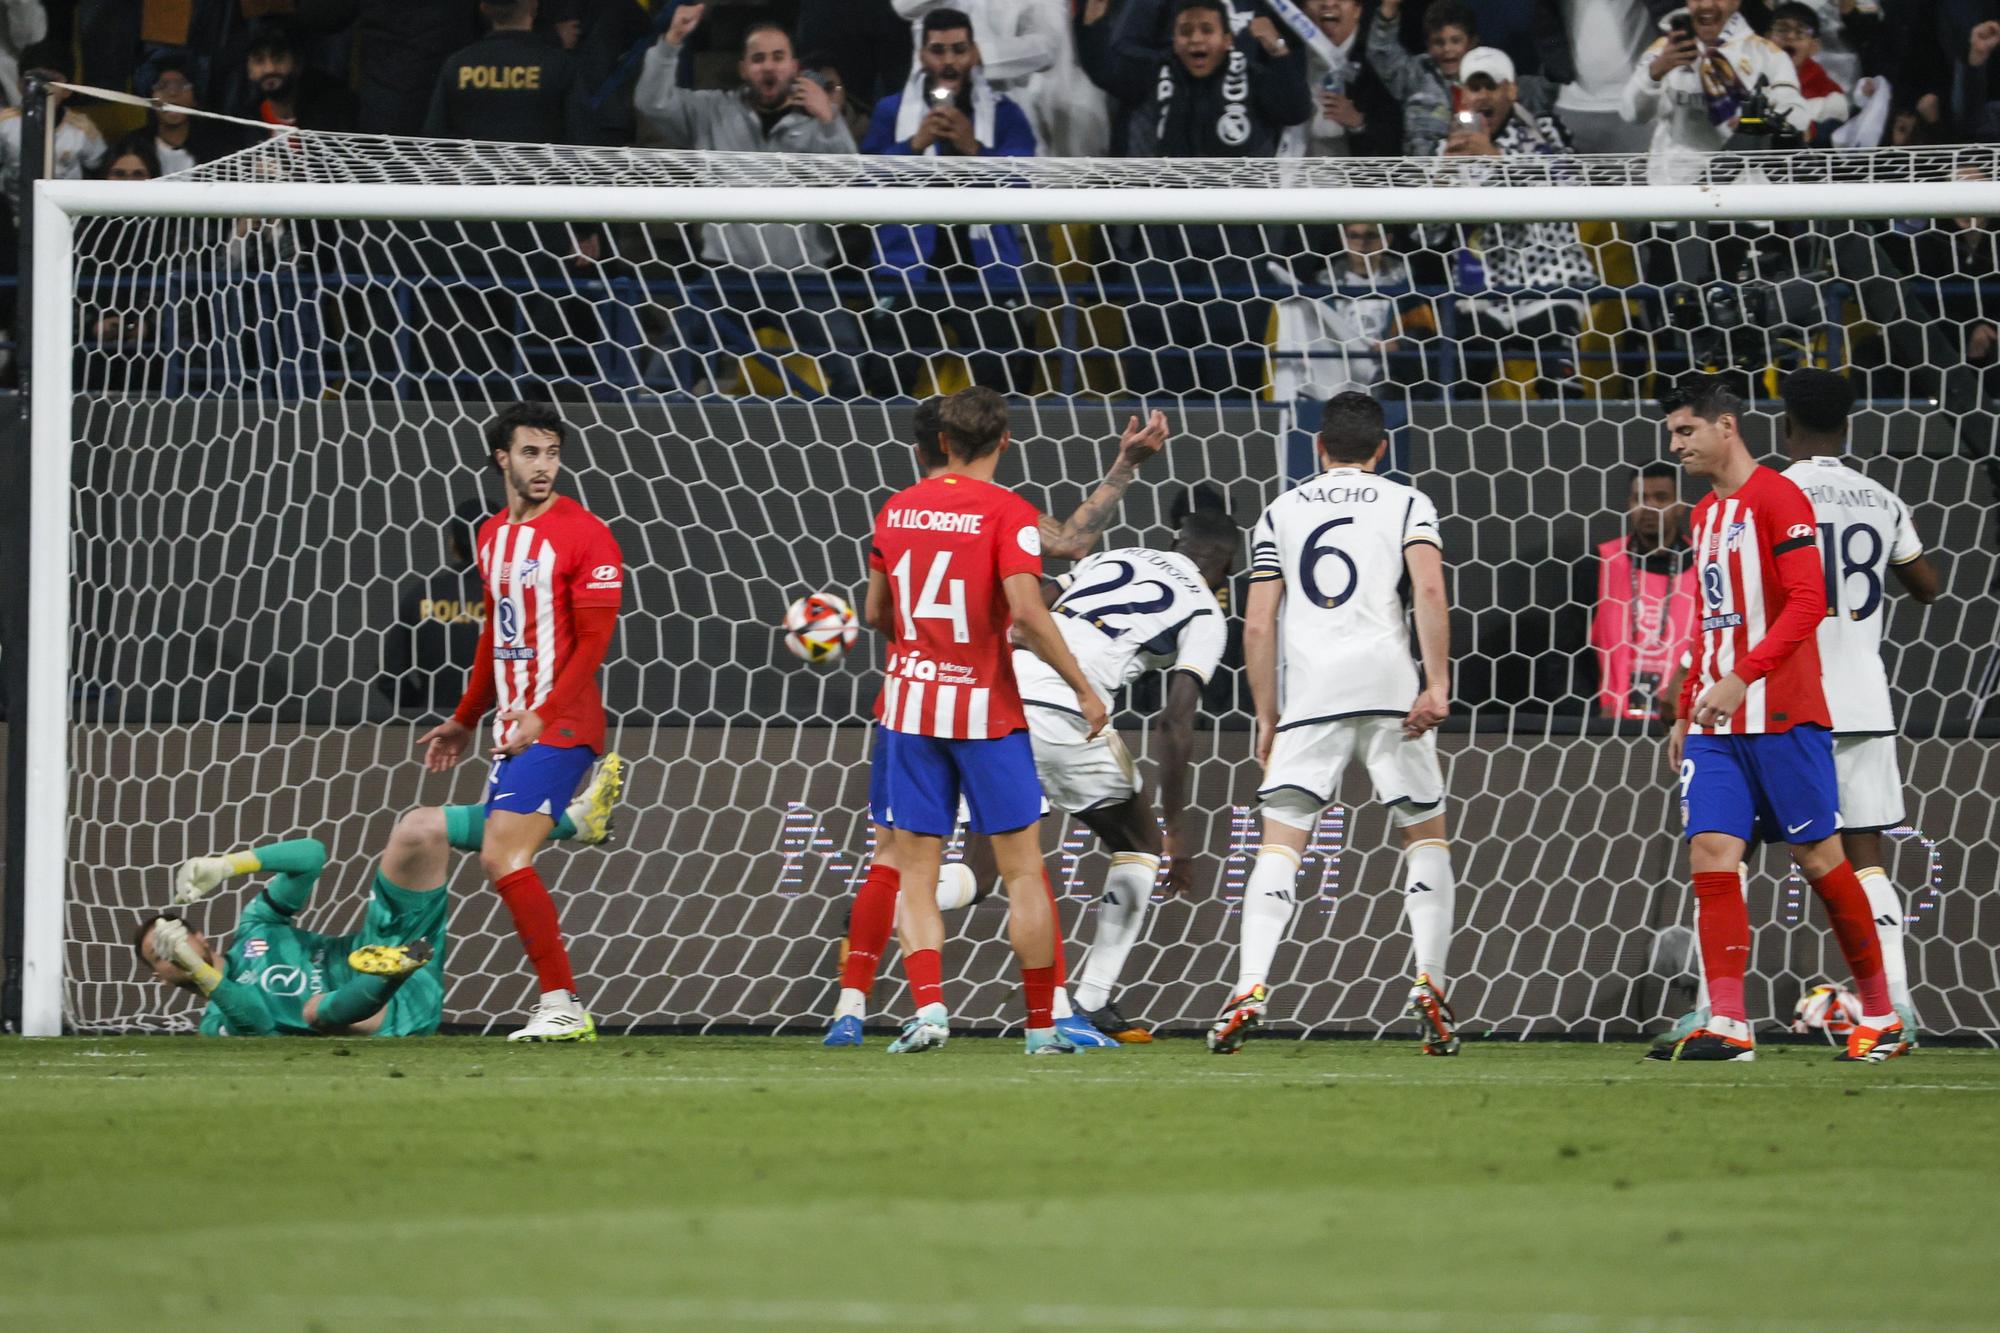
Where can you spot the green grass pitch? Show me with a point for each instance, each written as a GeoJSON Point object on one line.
{"type": "Point", "coordinates": [763, 1182]}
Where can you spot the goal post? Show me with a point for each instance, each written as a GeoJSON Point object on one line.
{"type": "Point", "coordinates": [794, 730]}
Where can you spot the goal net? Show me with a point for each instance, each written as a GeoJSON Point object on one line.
{"type": "Point", "coordinates": [270, 376]}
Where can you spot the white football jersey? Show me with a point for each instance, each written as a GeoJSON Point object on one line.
{"type": "Point", "coordinates": [1337, 541]}
{"type": "Point", "coordinates": [1123, 613]}
{"type": "Point", "coordinates": [1863, 529]}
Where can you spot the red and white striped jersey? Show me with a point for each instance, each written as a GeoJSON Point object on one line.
{"type": "Point", "coordinates": [946, 545]}
{"type": "Point", "coordinates": [1762, 597]}
{"type": "Point", "coordinates": [537, 574]}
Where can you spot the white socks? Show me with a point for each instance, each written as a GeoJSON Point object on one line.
{"type": "Point", "coordinates": [853, 1004]}
{"type": "Point", "coordinates": [1121, 917]}
{"type": "Point", "coordinates": [1885, 904]}
{"type": "Point", "coordinates": [1429, 893]}
{"type": "Point", "coordinates": [1268, 900]}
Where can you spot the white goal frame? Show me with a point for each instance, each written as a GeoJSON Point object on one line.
{"type": "Point", "coordinates": [57, 205]}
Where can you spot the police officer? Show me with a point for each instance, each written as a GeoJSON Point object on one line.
{"type": "Point", "coordinates": [509, 86]}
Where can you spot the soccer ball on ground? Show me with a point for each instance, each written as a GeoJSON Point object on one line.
{"type": "Point", "coordinates": [1827, 1009]}
{"type": "Point", "coordinates": [820, 627]}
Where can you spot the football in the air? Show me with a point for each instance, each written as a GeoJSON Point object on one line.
{"type": "Point", "coordinates": [1827, 1009]}
{"type": "Point", "coordinates": [820, 627]}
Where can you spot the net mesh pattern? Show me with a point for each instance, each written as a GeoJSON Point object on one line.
{"type": "Point", "coordinates": [277, 420]}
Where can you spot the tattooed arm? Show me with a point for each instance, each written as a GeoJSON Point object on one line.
{"type": "Point", "coordinates": [1072, 540]}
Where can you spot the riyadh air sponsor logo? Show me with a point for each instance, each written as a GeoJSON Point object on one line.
{"type": "Point", "coordinates": [283, 980]}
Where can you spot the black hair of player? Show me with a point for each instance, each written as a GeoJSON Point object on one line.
{"type": "Point", "coordinates": [1710, 397]}
{"type": "Point", "coordinates": [1442, 14]}
{"type": "Point", "coordinates": [503, 11]}
{"type": "Point", "coordinates": [1802, 15]}
{"type": "Point", "coordinates": [949, 20]}
{"type": "Point", "coordinates": [1818, 400]}
{"type": "Point", "coordinates": [146, 923]}
{"type": "Point", "coordinates": [1212, 539]}
{"type": "Point", "coordinates": [1658, 471]}
{"type": "Point", "coordinates": [272, 37]}
{"type": "Point", "coordinates": [523, 416]}
{"type": "Point", "coordinates": [762, 25]}
{"type": "Point", "coordinates": [974, 422]}
{"type": "Point", "coordinates": [926, 424]}
{"type": "Point", "coordinates": [1192, 498]}
{"type": "Point", "coordinates": [1350, 428]}
{"type": "Point", "coordinates": [1216, 6]}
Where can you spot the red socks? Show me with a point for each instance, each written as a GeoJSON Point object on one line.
{"type": "Point", "coordinates": [1854, 926]}
{"type": "Point", "coordinates": [869, 928]}
{"type": "Point", "coordinates": [534, 915]}
{"type": "Point", "coordinates": [1723, 925]}
{"type": "Point", "coordinates": [925, 969]}
{"type": "Point", "coordinates": [1040, 984]}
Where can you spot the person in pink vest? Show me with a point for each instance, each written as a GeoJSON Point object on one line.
{"type": "Point", "coordinates": [1646, 598]}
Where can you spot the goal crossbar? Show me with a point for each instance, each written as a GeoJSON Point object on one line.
{"type": "Point", "coordinates": [1739, 202]}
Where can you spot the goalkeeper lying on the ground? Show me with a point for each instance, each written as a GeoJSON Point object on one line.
{"type": "Point", "coordinates": [384, 980]}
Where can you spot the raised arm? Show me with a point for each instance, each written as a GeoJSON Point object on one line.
{"type": "Point", "coordinates": [1074, 537]}
{"type": "Point", "coordinates": [1432, 609]}
{"type": "Point", "coordinates": [658, 99]}
{"type": "Point", "coordinates": [1392, 63]}
{"type": "Point", "coordinates": [1037, 632]}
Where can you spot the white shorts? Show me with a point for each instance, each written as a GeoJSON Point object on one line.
{"type": "Point", "coordinates": [1082, 777]}
{"type": "Point", "coordinates": [1306, 764]}
{"type": "Point", "coordinates": [1870, 783]}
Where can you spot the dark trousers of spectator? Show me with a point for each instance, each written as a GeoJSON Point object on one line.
{"type": "Point", "coordinates": [920, 315]}
{"type": "Point", "coordinates": [714, 313]}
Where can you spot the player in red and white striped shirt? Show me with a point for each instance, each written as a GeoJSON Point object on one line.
{"type": "Point", "coordinates": [554, 578]}
{"type": "Point", "coordinates": [1754, 742]}
{"type": "Point", "coordinates": [956, 562]}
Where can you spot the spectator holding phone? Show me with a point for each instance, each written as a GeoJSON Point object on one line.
{"type": "Point", "coordinates": [1426, 85]}
{"type": "Point", "coordinates": [1695, 81]}
{"type": "Point", "coordinates": [765, 272]}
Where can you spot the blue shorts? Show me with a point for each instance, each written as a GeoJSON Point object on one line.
{"type": "Point", "coordinates": [915, 782]}
{"type": "Point", "coordinates": [539, 780]}
{"type": "Point", "coordinates": [1773, 788]}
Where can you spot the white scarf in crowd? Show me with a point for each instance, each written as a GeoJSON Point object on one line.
{"type": "Point", "coordinates": [916, 106]}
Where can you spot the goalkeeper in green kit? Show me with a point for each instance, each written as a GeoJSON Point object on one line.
{"type": "Point", "coordinates": [384, 980]}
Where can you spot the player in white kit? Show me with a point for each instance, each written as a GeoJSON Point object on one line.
{"type": "Point", "coordinates": [1326, 645]}
{"type": "Point", "coordinates": [1124, 613]}
{"type": "Point", "coordinates": [1864, 534]}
